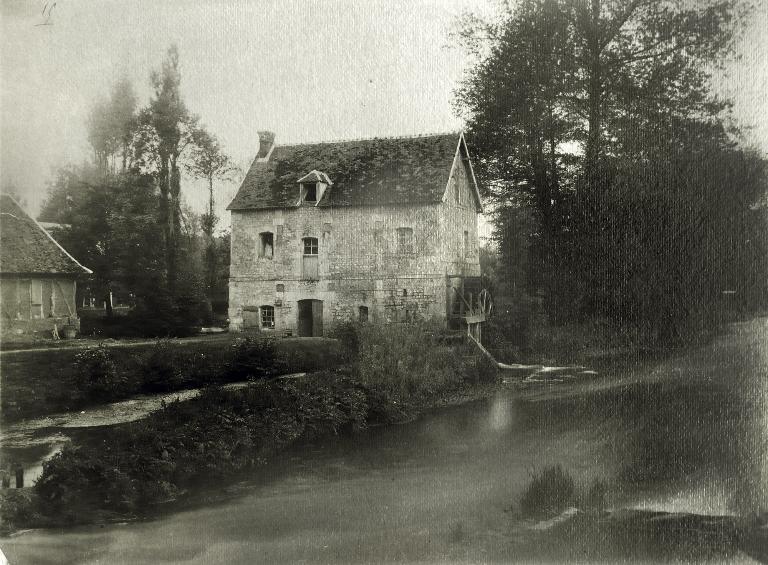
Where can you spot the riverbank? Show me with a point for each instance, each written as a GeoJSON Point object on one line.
{"type": "Point", "coordinates": [131, 470]}
{"type": "Point", "coordinates": [86, 484]}
{"type": "Point", "coordinates": [46, 381]}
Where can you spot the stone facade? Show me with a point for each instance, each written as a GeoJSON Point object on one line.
{"type": "Point", "coordinates": [383, 263]}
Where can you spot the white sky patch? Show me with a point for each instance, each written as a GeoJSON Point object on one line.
{"type": "Point", "coordinates": [307, 70]}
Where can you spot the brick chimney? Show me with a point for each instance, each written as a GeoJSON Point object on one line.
{"type": "Point", "coordinates": [266, 144]}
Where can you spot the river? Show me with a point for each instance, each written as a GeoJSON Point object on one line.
{"type": "Point", "coordinates": [686, 434]}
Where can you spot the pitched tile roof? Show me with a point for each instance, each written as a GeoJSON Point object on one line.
{"type": "Point", "coordinates": [26, 248]}
{"type": "Point", "coordinates": [404, 170]}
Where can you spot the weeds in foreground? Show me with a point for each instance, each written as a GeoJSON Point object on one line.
{"type": "Point", "coordinates": [553, 489]}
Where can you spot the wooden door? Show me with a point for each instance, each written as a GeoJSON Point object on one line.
{"type": "Point", "coordinates": [305, 318]}
{"type": "Point", "coordinates": [310, 323]}
{"type": "Point", "coordinates": [251, 317]}
{"type": "Point", "coordinates": [317, 318]}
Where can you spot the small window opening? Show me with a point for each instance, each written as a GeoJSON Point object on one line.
{"type": "Point", "coordinates": [310, 194]}
{"type": "Point", "coordinates": [404, 240]}
{"type": "Point", "coordinates": [467, 250]}
{"type": "Point", "coordinates": [279, 287]}
{"type": "Point", "coordinates": [267, 317]}
{"type": "Point", "coordinates": [362, 314]}
{"type": "Point", "coordinates": [266, 244]}
{"type": "Point", "coordinates": [405, 292]}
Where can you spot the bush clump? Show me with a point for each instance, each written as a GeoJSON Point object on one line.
{"type": "Point", "coordinates": [255, 357]}
{"type": "Point", "coordinates": [553, 489]}
{"type": "Point", "coordinates": [97, 374]}
{"type": "Point", "coordinates": [164, 367]}
{"type": "Point", "coordinates": [413, 360]}
{"type": "Point", "coordinates": [550, 491]}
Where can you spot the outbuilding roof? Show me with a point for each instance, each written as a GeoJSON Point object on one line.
{"type": "Point", "coordinates": [378, 171]}
{"type": "Point", "coordinates": [26, 248]}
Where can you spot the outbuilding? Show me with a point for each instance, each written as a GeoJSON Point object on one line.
{"type": "Point", "coordinates": [38, 277]}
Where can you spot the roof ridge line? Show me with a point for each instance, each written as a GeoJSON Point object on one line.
{"type": "Point", "coordinates": [351, 139]}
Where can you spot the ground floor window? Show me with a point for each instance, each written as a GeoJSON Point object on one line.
{"type": "Point", "coordinates": [267, 317]}
{"type": "Point", "coordinates": [362, 314]}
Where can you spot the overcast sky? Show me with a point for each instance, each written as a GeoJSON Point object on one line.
{"type": "Point", "coordinates": [308, 70]}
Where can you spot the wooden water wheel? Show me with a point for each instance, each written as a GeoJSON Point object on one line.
{"type": "Point", "coordinates": [485, 302]}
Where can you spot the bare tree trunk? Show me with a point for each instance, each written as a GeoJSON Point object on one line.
{"type": "Point", "coordinates": [211, 244]}
{"type": "Point", "coordinates": [175, 221]}
{"type": "Point", "coordinates": [210, 206]}
{"type": "Point", "coordinates": [165, 212]}
{"type": "Point", "coordinates": [595, 90]}
{"type": "Point", "coordinates": [108, 303]}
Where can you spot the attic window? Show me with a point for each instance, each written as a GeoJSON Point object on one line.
{"type": "Point", "coordinates": [310, 192]}
{"type": "Point", "coordinates": [266, 244]}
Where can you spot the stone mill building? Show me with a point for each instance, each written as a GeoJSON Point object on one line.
{"type": "Point", "coordinates": [381, 230]}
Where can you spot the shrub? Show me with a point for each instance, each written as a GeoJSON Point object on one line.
{"type": "Point", "coordinates": [17, 509]}
{"type": "Point", "coordinates": [348, 335]}
{"type": "Point", "coordinates": [81, 478]}
{"type": "Point", "coordinates": [550, 492]}
{"type": "Point", "coordinates": [164, 367]}
{"type": "Point", "coordinates": [97, 374]}
{"type": "Point", "coordinates": [255, 357]}
{"type": "Point", "coordinates": [407, 359]}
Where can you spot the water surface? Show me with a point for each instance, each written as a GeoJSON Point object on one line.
{"type": "Point", "coordinates": [689, 434]}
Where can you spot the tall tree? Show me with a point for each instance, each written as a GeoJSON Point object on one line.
{"type": "Point", "coordinates": [172, 125]}
{"type": "Point", "coordinates": [519, 117]}
{"type": "Point", "coordinates": [605, 87]}
{"type": "Point", "coordinates": [111, 127]}
{"type": "Point", "coordinates": [208, 161]}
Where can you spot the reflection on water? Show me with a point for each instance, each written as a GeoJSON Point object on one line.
{"type": "Point", "coordinates": [690, 434]}
{"type": "Point", "coordinates": [500, 414]}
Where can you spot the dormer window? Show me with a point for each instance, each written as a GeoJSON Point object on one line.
{"type": "Point", "coordinates": [310, 192]}
{"type": "Point", "coordinates": [312, 187]}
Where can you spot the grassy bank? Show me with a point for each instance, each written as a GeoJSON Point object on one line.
{"type": "Point", "coordinates": [36, 383]}
{"type": "Point", "coordinates": [392, 374]}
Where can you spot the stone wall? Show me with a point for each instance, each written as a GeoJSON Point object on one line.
{"type": "Point", "coordinates": [360, 260]}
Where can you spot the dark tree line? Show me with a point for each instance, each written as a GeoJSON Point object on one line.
{"type": "Point", "coordinates": [618, 180]}
{"type": "Point", "coordinates": [125, 214]}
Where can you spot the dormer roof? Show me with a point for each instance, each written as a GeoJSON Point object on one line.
{"type": "Point", "coordinates": [315, 176]}
{"type": "Point", "coordinates": [364, 172]}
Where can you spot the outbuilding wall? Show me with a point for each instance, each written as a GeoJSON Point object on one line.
{"type": "Point", "coordinates": [32, 303]}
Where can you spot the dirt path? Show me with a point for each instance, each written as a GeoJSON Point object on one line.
{"type": "Point", "coordinates": [89, 343]}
